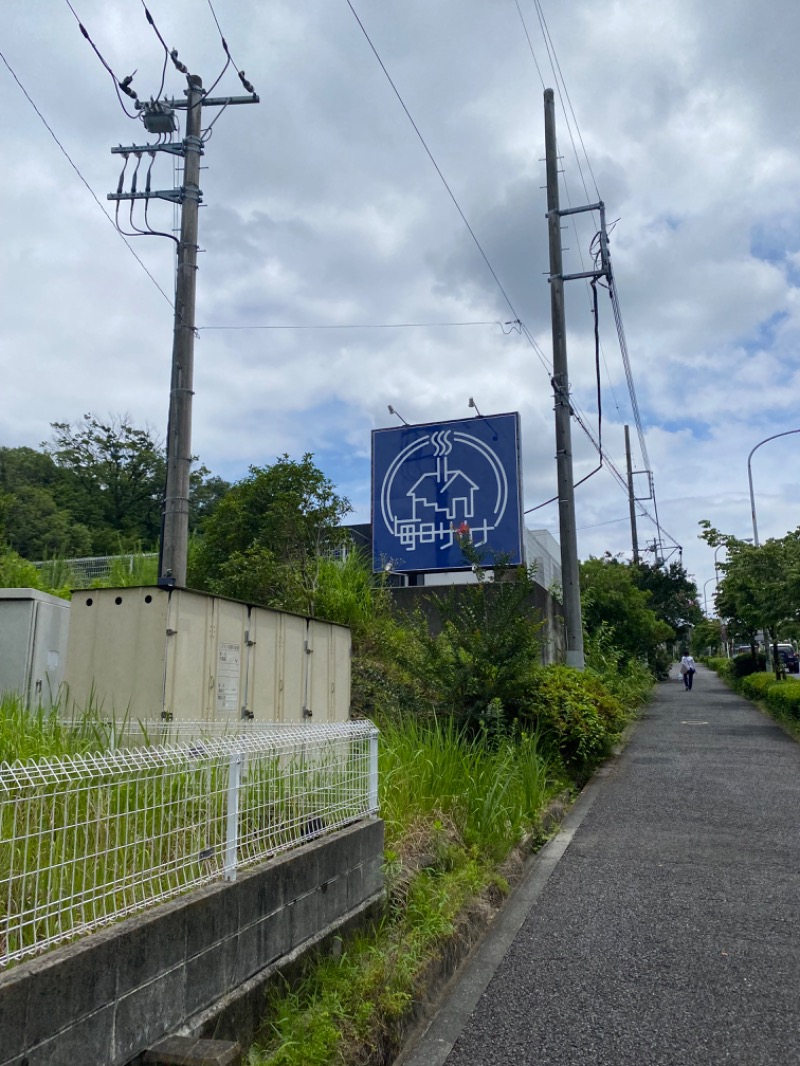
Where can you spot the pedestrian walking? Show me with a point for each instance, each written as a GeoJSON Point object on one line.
{"type": "Point", "coordinates": [687, 670]}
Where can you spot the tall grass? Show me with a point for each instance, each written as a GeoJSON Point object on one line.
{"type": "Point", "coordinates": [41, 732]}
{"type": "Point", "coordinates": [491, 793]}
{"type": "Point", "coordinates": [462, 802]}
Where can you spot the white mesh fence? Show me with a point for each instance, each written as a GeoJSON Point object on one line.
{"type": "Point", "coordinates": [89, 839]}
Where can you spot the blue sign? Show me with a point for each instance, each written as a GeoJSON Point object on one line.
{"type": "Point", "coordinates": [435, 484]}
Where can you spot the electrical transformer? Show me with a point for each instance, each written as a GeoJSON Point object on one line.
{"type": "Point", "coordinates": [33, 644]}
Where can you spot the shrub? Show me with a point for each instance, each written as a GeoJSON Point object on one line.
{"type": "Point", "coordinates": [723, 667]}
{"type": "Point", "coordinates": [744, 665]}
{"type": "Point", "coordinates": [755, 686]}
{"type": "Point", "coordinates": [579, 715]}
{"type": "Point", "coordinates": [783, 697]}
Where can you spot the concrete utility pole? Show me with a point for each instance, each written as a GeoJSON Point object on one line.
{"type": "Point", "coordinates": [175, 532]}
{"type": "Point", "coordinates": [570, 573]}
{"type": "Point", "coordinates": [159, 118]}
{"type": "Point", "coordinates": [631, 498]}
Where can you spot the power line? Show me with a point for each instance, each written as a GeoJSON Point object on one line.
{"type": "Point", "coordinates": [361, 325]}
{"type": "Point", "coordinates": [123, 84]}
{"type": "Point", "coordinates": [530, 44]}
{"type": "Point", "coordinates": [559, 78]}
{"type": "Point", "coordinates": [85, 182]}
{"type": "Point", "coordinates": [433, 161]}
{"type": "Point", "coordinates": [241, 74]}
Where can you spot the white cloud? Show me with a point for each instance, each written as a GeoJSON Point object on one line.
{"type": "Point", "coordinates": [323, 209]}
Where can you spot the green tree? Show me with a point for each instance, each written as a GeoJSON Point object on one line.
{"type": "Point", "coordinates": [33, 521]}
{"type": "Point", "coordinates": [613, 603]}
{"type": "Point", "coordinates": [267, 538]}
{"type": "Point", "coordinates": [108, 476]}
{"type": "Point", "coordinates": [484, 663]}
{"type": "Point", "coordinates": [707, 637]}
{"type": "Point", "coordinates": [760, 589]}
{"type": "Point", "coordinates": [38, 528]}
{"type": "Point", "coordinates": [114, 478]}
{"type": "Point", "coordinates": [673, 596]}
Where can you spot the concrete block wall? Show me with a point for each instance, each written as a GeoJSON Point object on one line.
{"type": "Point", "coordinates": [544, 605]}
{"type": "Point", "coordinates": [105, 999]}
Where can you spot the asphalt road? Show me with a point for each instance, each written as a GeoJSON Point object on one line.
{"type": "Point", "coordinates": [662, 925]}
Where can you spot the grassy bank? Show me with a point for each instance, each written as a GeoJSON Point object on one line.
{"type": "Point", "coordinates": [454, 808]}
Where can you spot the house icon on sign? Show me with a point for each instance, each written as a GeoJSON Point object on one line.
{"type": "Point", "coordinates": [447, 493]}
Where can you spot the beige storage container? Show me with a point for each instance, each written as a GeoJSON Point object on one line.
{"type": "Point", "coordinates": [152, 653]}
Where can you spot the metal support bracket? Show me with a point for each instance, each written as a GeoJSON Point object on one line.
{"type": "Point", "coordinates": [144, 149]}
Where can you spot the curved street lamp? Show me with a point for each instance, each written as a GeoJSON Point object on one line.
{"type": "Point", "coordinates": [716, 564]}
{"type": "Point", "coordinates": [705, 599]}
{"type": "Point", "coordinates": [750, 478]}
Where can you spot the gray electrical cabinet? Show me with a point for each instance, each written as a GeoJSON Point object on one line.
{"type": "Point", "coordinates": [33, 644]}
{"type": "Point", "coordinates": [152, 653]}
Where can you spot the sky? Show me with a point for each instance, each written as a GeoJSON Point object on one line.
{"type": "Point", "coordinates": [322, 208]}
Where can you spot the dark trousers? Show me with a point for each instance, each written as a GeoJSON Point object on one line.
{"type": "Point", "coordinates": [687, 678]}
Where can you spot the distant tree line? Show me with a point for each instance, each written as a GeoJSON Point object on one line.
{"type": "Point", "coordinates": [94, 489]}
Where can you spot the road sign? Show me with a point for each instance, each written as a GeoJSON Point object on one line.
{"type": "Point", "coordinates": [434, 484]}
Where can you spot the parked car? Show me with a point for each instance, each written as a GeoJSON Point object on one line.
{"type": "Point", "coordinates": [742, 649]}
{"type": "Point", "coordinates": [791, 660]}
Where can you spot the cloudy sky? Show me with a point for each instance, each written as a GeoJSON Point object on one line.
{"type": "Point", "coordinates": [322, 208]}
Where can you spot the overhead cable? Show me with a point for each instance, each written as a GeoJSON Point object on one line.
{"type": "Point", "coordinates": [364, 325]}
{"type": "Point", "coordinates": [124, 84]}
{"type": "Point", "coordinates": [433, 161]}
{"type": "Point", "coordinates": [85, 182]}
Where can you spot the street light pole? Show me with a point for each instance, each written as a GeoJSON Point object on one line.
{"type": "Point", "coordinates": [705, 598]}
{"type": "Point", "coordinates": [775, 436]}
{"type": "Point", "coordinates": [716, 564]}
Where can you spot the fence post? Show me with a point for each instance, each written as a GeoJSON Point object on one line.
{"type": "Point", "coordinates": [232, 827]}
{"type": "Point", "coordinates": [373, 771]}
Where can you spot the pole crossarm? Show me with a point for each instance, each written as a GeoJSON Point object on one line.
{"type": "Point", "coordinates": [144, 149]}
{"type": "Point", "coordinates": [175, 196]}
{"type": "Point", "coordinates": [562, 211]}
{"type": "Point", "coordinates": [216, 101]}
{"type": "Point", "coordinates": [604, 270]}
{"type": "Point", "coordinates": [584, 274]}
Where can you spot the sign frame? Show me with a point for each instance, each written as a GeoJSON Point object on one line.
{"type": "Point", "coordinates": [426, 478]}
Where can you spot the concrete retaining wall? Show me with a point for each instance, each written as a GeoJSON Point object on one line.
{"type": "Point", "coordinates": [541, 602]}
{"type": "Point", "coordinates": [107, 998]}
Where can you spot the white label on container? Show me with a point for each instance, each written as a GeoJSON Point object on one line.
{"type": "Point", "coordinates": [229, 657]}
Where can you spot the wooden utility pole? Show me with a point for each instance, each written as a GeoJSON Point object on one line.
{"type": "Point", "coordinates": [631, 500]}
{"type": "Point", "coordinates": [570, 573]}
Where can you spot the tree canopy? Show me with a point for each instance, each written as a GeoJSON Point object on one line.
{"type": "Point", "coordinates": [673, 596]}
{"type": "Point", "coordinates": [94, 489]}
{"type": "Point", "coordinates": [760, 588]}
{"type": "Point", "coordinates": [266, 539]}
{"type": "Point", "coordinates": [612, 601]}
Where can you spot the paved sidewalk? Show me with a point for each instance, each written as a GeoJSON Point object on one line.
{"type": "Point", "coordinates": [662, 925]}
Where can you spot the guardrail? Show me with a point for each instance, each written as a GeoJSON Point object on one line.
{"type": "Point", "coordinates": [89, 839]}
